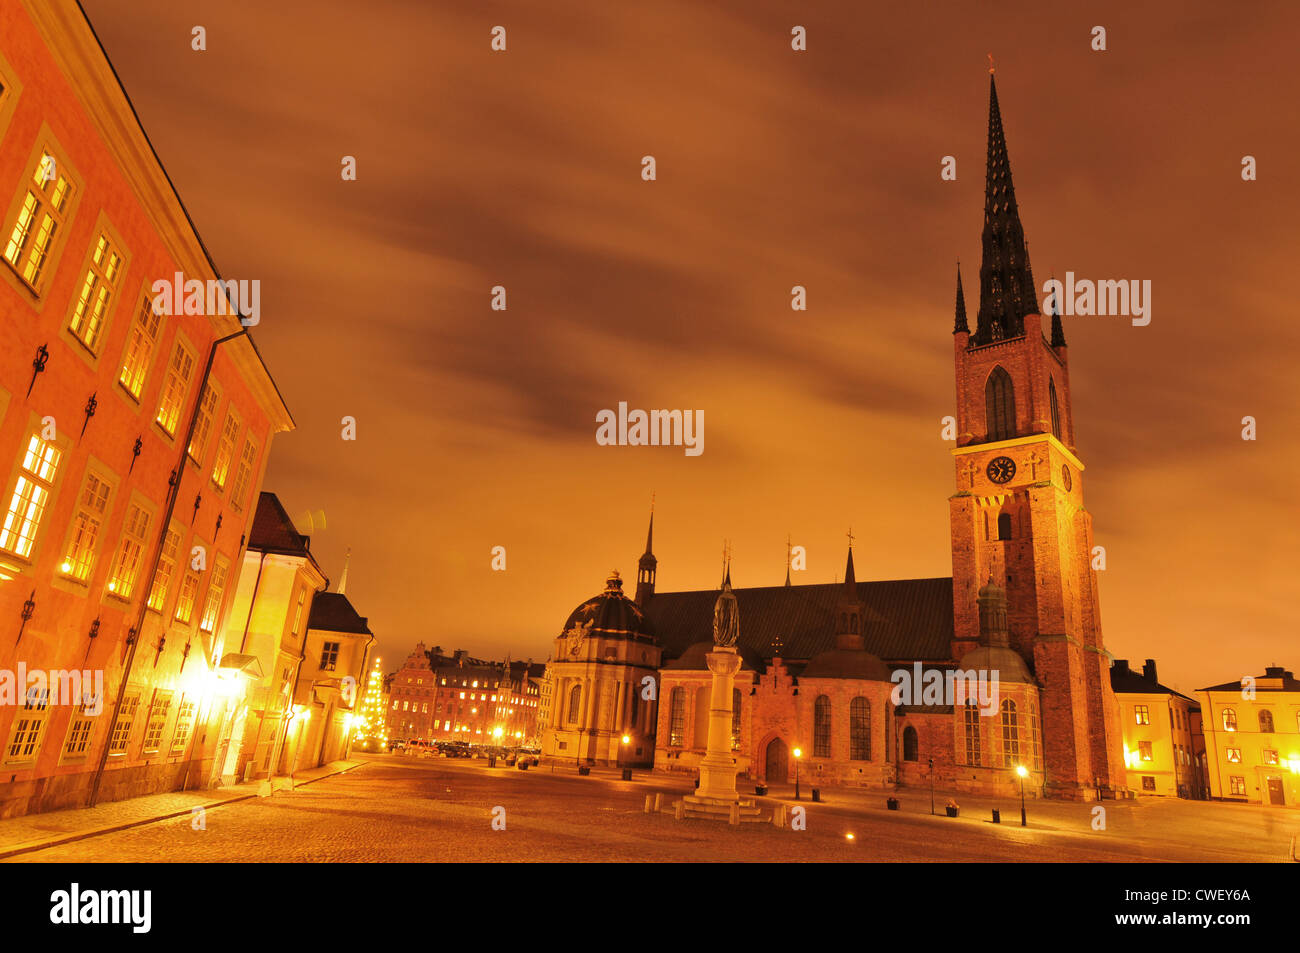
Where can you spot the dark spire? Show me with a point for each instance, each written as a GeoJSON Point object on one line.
{"type": "Point", "coordinates": [849, 616]}
{"type": "Point", "coordinates": [1058, 332]}
{"type": "Point", "coordinates": [960, 324]}
{"type": "Point", "coordinates": [850, 580]}
{"type": "Point", "coordinates": [1006, 284]}
{"type": "Point", "coordinates": [787, 559]}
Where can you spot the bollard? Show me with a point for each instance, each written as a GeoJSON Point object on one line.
{"type": "Point", "coordinates": [659, 802]}
{"type": "Point", "coordinates": [997, 817]}
{"type": "Point", "coordinates": [649, 801]}
{"type": "Point", "coordinates": [679, 809]}
{"type": "Point", "coordinates": [778, 816]}
{"type": "Point", "coordinates": [735, 813]}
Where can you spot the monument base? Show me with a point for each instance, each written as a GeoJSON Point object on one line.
{"type": "Point", "coordinates": [719, 808]}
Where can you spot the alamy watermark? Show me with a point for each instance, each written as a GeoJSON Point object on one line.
{"type": "Point", "coordinates": [654, 428]}
{"type": "Point", "coordinates": [215, 296]}
{"type": "Point", "coordinates": [53, 687]}
{"type": "Point", "coordinates": [922, 686]}
{"type": "Point", "coordinates": [1107, 297]}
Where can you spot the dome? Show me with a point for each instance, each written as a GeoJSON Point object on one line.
{"type": "Point", "coordinates": [611, 611]}
{"type": "Point", "coordinates": [998, 658]}
{"type": "Point", "coordinates": [846, 663]}
{"type": "Point", "coordinates": [692, 660]}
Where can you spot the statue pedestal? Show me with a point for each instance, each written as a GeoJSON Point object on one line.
{"type": "Point", "coordinates": [718, 767]}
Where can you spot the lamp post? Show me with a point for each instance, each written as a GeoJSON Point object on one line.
{"type": "Point", "coordinates": [622, 750]}
{"type": "Point", "coordinates": [932, 785]}
{"type": "Point", "coordinates": [1020, 770]}
{"type": "Point", "coordinates": [798, 753]}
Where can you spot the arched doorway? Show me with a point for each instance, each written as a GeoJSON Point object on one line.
{"type": "Point", "coordinates": [910, 752]}
{"type": "Point", "coordinates": [777, 763]}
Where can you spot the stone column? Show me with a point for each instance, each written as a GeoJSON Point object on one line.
{"type": "Point", "coordinates": [718, 769]}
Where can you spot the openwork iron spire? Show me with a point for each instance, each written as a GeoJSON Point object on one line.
{"type": "Point", "coordinates": [1058, 332]}
{"type": "Point", "coordinates": [1006, 283]}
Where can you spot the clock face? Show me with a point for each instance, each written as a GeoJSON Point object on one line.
{"type": "Point", "coordinates": [1066, 479]}
{"type": "Point", "coordinates": [1001, 469]}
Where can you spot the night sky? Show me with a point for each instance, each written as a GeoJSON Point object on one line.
{"type": "Point", "coordinates": [476, 428]}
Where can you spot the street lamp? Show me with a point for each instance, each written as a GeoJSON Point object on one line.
{"type": "Point", "coordinates": [932, 785]}
{"type": "Point", "coordinates": [798, 753]}
{"type": "Point", "coordinates": [1020, 770]}
{"type": "Point", "coordinates": [627, 772]}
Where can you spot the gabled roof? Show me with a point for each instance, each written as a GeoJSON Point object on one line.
{"type": "Point", "coordinates": [905, 619]}
{"type": "Point", "coordinates": [332, 612]}
{"type": "Point", "coordinates": [273, 531]}
{"type": "Point", "coordinates": [1126, 681]}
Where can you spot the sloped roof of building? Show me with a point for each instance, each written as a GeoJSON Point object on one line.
{"type": "Point", "coordinates": [1288, 682]}
{"type": "Point", "coordinates": [1128, 681]}
{"type": "Point", "coordinates": [273, 531]}
{"type": "Point", "coordinates": [332, 612]}
{"type": "Point", "coordinates": [905, 619]}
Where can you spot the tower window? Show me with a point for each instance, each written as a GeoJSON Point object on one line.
{"type": "Point", "coordinates": [1000, 405]}
{"type": "Point", "coordinates": [1004, 526]}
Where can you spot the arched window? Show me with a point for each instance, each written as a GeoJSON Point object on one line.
{"type": "Point", "coordinates": [735, 719]}
{"type": "Point", "coordinates": [1000, 405]}
{"type": "Point", "coordinates": [1056, 408]}
{"type": "Point", "coordinates": [971, 722]}
{"type": "Point", "coordinates": [1004, 526]}
{"type": "Point", "coordinates": [575, 703]}
{"type": "Point", "coordinates": [676, 717]}
{"type": "Point", "coordinates": [822, 727]}
{"type": "Point", "coordinates": [1010, 734]}
{"type": "Point", "coordinates": [1035, 741]}
{"type": "Point", "coordinates": [1229, 719]}
{"type": "Point", "coordinates": [859, 729]}
{"type": "Point", "coordinates": [1266, 722]}
{"type": "Point", "coordinates": [909, 744]}
{"type": "Point", "coordinates": [853, 624]}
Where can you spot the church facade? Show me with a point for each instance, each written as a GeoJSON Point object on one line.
{"type": "Point", "coordinates": [820, 663]}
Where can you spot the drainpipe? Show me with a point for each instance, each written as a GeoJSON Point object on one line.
{"type": "Point", "coordinates": [172, 494]}
{"type": "Point", "coordinates": [362, 692]}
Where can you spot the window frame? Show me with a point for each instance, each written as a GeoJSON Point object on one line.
{"type": "Point", "coordinates": [46, 144]}
{"type": "Point", "coordinates": [93, 354]}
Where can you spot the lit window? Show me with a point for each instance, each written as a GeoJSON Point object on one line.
{"type": "Point", "coordinates": [184, 722]}
{"type": "Point", "coordinates": [77, 744]}
{"type": "Point", "coordinates": [185, 601]}
{"type": "Point", "coordinates": [1238, 785]}
{"type": "Point", "coordinates": [1229, 719]}
{"type": "Point", "coordinates": [216, 591]}
{"type": "Point", "coordinates": [91, 308]}
{"type": "Point", "coordinates": [1270, 756]}
{"type": "Point", "coordinates": [1141, 715]}
{"type": "Point", "coordinates": [1266, 722]}
{"type": "Point", "coordinates": [29, 726]}
{"type": "Point", "coordinates": [225, 450]}
{"type": "Point", "coordinates": [1144, 751]}
{"type": "Point", "coordinates": [329, 657]}
{"type": "Point", "coordinates": [1010, 734]}
{"type": "Point", "coordinates": [203, 424]}
{"type": "Point", "coordinates": [126, 565]}
{"type": "Point", "coordinates": [243, 474]}
{"type": "Point", "coordinates": [971, 723]}
{"type": "Point", "coordinates": [1234, 755]}
{"type": "Point", "coordinates": [122, 727]}
{"type": "Point", "coordinates": [821, 727]}
{"type": "Point", "coordinates": [166, 563]}
{"type": "Point", "coordinates": [30, 497]}
{"type": "Point", "coordinates": [139, 347]}
{"type": "Point", "coordinates": [179, 370]}
{"type": "Point", "coordinates": [86, 523]}
{"type": "Point", "coordinates": [157, 721]}
{"type": "Point", "coordinates": [40, 220]}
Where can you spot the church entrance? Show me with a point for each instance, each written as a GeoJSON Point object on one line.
{"type": "Point", "coordinates": [778, 761]}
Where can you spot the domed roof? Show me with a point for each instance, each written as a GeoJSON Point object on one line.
{"type": "Point", "coordinates": [611, 611]}
{"type": "Point", "coordinates": [846, 663]}
{"type": "Point", "coordinates": [693, 658]}
{"type": "Point", "coordinates": [998, 658]}
{"type": "Point", "coordinates": [992, 589]}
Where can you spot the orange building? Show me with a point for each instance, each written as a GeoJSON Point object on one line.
{"type": "Point", "coordinates": [132, 443]}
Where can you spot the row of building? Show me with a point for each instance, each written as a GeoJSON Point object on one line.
{"type": "Point", "coordinates": [162, 622]}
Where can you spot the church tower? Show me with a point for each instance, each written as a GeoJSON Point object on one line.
{"type": "Point", "coordinates": [647, 566]}
{"type": "Point", "coordinates": [1018, 518]}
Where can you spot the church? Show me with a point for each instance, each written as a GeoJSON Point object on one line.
{"type": "Point", "coordinates": [628, 684]}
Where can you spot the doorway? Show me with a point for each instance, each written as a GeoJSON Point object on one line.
{"type": "Point", "coordinates": [777, 767]}
{"type": "Point", "coordinates": [1275, 795]}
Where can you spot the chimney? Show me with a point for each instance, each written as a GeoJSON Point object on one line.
{"type": "Point", "coordinates": [1149, 670]}
{"type": "Point", "coordinates": [1121, 666]}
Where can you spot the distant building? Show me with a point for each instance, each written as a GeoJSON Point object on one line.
{"type": "Point", "coordinates": [1162, 750]}
{"type": "Point", "coordinates": [435, 697]}
{"type": "Point", "coordinates": [1252, 738]}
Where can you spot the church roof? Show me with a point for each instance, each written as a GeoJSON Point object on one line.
{"type": "Point", "coordinates": [904, 619]}
{"type": "Point", "coordinates": [273, 531]}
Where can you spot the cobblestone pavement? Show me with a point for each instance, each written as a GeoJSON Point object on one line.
{"type": "Point", "coordinates": [396, 809]}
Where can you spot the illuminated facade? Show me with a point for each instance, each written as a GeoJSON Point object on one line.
{"type": "Point", "coordinates": [1252, 738]}
{"type": "Point", "coordinates": [132, 443]}
{"type": "Point", "coordinates": [1163, 747]}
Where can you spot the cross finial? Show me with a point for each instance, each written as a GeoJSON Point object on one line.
{"type": "Point", "coordinates": [849, 534]}
{"type": "Point", "coordinates": [990, 64]}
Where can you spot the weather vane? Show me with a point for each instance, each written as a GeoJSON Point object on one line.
{"type": "Point", "coordinates": [990, 64]}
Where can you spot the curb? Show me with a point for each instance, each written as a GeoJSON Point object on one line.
{"type": "Point", "coordinates": [31, 846]}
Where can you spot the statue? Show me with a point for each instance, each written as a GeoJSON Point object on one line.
{"type": "Point", "coordinates": [726, 616]}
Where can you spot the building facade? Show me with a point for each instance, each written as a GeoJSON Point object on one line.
{"type": "Point", "coordinates": [132, 442]}
{"type": "Point", "coordinates": [332, 681]}
{"type": "Point", "coordinates": [1252, 738]}
{"type": "Point", "coordinates": [1162, 750]}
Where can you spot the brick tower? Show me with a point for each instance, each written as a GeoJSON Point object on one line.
{"type": "Point", "coordinates": [1018, 516]}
